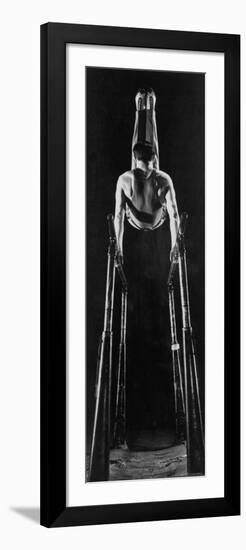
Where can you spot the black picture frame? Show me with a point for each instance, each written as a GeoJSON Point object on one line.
{"type": "Point", "coordinates": [54, 37]}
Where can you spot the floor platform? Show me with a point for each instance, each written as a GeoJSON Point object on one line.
{"type": "Point", "coordinates": [167, 462]}
{"type": "Point", "coordinates": [148, 454]}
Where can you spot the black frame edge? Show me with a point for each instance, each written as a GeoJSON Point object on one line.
{"type": "Point", "coordinates": [44, 494]}
{"type": "Point", "coordinates": [232, 259]}
{"type": "Point", "coordinates": [53, 283]}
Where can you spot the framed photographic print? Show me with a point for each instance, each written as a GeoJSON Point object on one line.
{"type": "Point", "coordinates": [140, 274]}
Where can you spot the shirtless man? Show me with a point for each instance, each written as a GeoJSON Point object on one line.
{"type": "Point", "coordinates": [144, 194]}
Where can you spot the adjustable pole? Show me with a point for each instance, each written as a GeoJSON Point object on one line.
{"type": "Point", "coordinates": [194, 424]}
{"type": "Point", "coordinates": [179, 401]}
{"type": "Point", "coordinates": [119, 433]}
{"type": "Point", "coordinates": [100, 447]}
{"type": "Point", "coordinates": [177, 376]}
{"type": "Point", "coordinates": [193, 415]}
{"type": "Point", "coordinates": [119, 436]}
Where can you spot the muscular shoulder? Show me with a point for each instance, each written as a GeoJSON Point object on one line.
{"type": "Point", "coordinates": [163, 178]}
{"type": "Point", "coordinates": [126, 176]}
{"type": "Point", "coordinates": [125, 180]}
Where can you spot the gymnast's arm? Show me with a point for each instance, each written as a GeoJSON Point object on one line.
{"type": "Point", "coordinates": [172, 212]}
{"type": "Point", "coordinates": [119, 214]}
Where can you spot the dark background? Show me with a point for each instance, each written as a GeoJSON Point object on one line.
{"type": "Point", "coordinates": [110, 108]}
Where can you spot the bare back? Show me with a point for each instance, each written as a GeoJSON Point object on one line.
{"type": "Point", "coordinates": [145, 195]}
{"type": "Point", "coordinates": [145, 190]}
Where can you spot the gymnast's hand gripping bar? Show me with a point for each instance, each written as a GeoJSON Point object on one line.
{"type": "Point", "coordinates": [178, 247]}
{"type": "Point", "coordinates": [118, 260]}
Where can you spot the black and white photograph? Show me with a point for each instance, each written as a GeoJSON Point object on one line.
{"type": "Point", "coordinates": [140, 267]}
{"type": "Point", "coordinates": [145, 274]}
